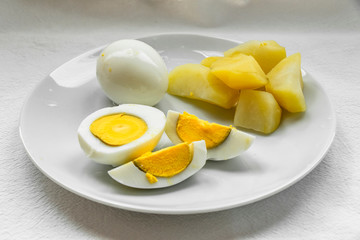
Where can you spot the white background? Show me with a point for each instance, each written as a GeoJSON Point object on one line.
{"type": "Point", "coordinates": [37, 36]}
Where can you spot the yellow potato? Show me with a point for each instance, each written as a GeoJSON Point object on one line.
{"type": "Point", "coordinates": [257, 110]}
{"type": "Point", "coordinates": [196, 81]}
{"type": "Point", "coordinates": [240, 72]}
{"type": "Point", "coordinates": [209, 60]}
{"type": "Point", "coordinates": [266, 53]}
{"type": "Point", "coordinates": [285, 83]}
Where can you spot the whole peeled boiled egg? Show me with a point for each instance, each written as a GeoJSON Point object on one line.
{"type": "Point", "coordinates": [163, 168]}
{"type": "Point", "coordinates": [131, 71]}
{"type": "Point", "coordinates": [116, 135]}
{"type": "Point", "coordinates": [222, 142]}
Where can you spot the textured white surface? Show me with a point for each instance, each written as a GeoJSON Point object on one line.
{"type": "Point", "coordinates": [37, 36]}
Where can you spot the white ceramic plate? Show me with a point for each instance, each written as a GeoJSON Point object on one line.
{"type": "Point", "coordinates": [54, 110]}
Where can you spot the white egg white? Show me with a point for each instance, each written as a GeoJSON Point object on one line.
{"type": "Point", "coordinates": [236, 143]}
{"type": "Point", "coordinates": [102, 153]}
{"type": "Point", "coordinates": [131, 71]}
{"type": "Point", "coordinates": [130, 175]}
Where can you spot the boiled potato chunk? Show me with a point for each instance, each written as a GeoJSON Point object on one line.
{"type": "Point", "coordinates": [209, 60]}
{"type": "Point", "coordinates": [197, 82]}
{"type": "Point", "coordinates": [240, 72]}
{"type": "Point", "coordinates": [267, 53]}
{"type": "Point", "coordinates": [257, 110]}
{"type": "Point", "coordinates": [285, 83]}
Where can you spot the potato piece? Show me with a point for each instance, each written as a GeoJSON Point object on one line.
{"type": "Point", "coordinates": [285, 83]}
{"type": "Point", "coordinates": [266, 53]}
{"type": "Point", "coordinates": [195, 81]}
{"type": "Point", "coordinates": [257, 110]}
{"type": "Point", "coordinates": [240, 72]}
{"type": "Point", "coordinates": [209, 60]}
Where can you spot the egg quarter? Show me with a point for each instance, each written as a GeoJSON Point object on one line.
{"type": "Point", "coordinates": [233, 145]}
{"type": "Point", "coordinates": [131, 175]}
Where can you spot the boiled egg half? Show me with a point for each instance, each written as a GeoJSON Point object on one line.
{"type": "Point", "coordinates": [116, 135]}
{"type": "Point", "coordinates": [131, 71]}
{"type": "Point", "coordinates": [162, 168]}
{"type": "Point", "coordinates": [222, 142]}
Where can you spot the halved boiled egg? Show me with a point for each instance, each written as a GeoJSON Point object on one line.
{"type": "Point", "coordinates": [162, 168]}
{"type": "Point", "coordinates": [116, 135]}
{"type": "Point", "coordinates": [222, 142]}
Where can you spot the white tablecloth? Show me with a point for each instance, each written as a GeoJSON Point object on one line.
{"type": "Point", "coordinates": [38, 36]}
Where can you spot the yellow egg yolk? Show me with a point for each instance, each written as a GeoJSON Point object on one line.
{"type": "Point", "coordinates": [166, 162]}
{"type": "Point", "coordinates": [118, 129]}
{"type": "Point", "coordinates": [190, 128]}
{"type": "Point", "coordinates": [151, 178]}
